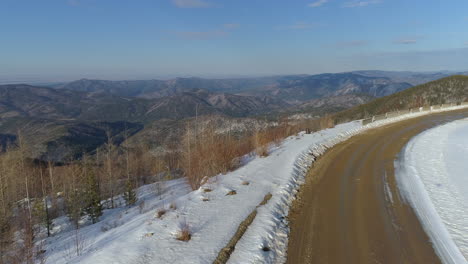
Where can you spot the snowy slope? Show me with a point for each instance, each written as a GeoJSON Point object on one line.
{"type": "Point", "coordinates": [212, 222]}
{"type": "Point", "coordinates": [137, 235]}
{"type": "Point", "coordinates": [432, 173]}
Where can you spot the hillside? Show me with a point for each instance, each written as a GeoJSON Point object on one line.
{"type": "Point", "coordinates": [333, 103]}
{"type": "Point", "coordinates": [303, 88]}
{"type": "Point", "coordinates": [453, 89]}
{"type": "Point", "coordinates": [48, 103]}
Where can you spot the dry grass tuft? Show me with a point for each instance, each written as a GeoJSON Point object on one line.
{"type": "Point", "coordinates": [160, 213]}
{"type": "Point", "coordinates": [207, 190]}
{"type": "Point", "coordinates": [184, 233]}
{"type": "Point", "coordinates": [173, 206]}
{"type": "Point", "coordinates": [262, 151]}
{"type": "Point", "coordinates": [266, 199]}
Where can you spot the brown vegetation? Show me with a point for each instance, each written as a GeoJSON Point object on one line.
{"type": "Point", "coordinates": [184, 233]}
{"type": "Point", "coordinates": [206, 153]}
{"type": "Point", "coordinates": [160, 213]}
{"type": "Point", "coordinates": [233, 192]}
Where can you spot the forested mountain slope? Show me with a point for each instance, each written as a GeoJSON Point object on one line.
{"type": "Point", "coordinates": [453, 89]}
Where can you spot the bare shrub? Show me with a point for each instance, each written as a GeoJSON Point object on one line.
{"type": "Point", "coordinates": [232, 192]}
{"type": "Point", "coordinates": [160, 213]}
{"type": "Point", "coordinates": [78, 243]}
{"type": "Point", "coordinates": [262, 151]}
{"type": "Point", "coordinates": [184, 233]}
{"type": "Point", "coordinates": [326, 122]}
{"type": "Point", "coordinates": [141, 206]}
{"type": "Point", "coordinates": [173, 206]}
{"type": "Point", "coordinates": [40, 252]}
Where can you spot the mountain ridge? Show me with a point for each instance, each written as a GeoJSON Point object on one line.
{"type": "Point", "coordinates": [293, 89]}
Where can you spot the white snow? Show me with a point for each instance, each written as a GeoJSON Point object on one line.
{"type": "Point", "coordinates": [126, 235]}
{"type": "Point", "coordinates": [432, 174]}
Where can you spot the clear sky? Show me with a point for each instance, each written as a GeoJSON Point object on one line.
{"type": "Point", "coordinates": [131, 39]}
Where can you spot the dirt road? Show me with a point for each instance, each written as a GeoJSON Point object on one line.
{"type": "Point", "coordinates": [350, 211]}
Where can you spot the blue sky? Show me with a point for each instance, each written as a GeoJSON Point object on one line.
{"type": "Point", "coordinates": [131, 39]}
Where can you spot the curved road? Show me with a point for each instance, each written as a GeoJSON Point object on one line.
{"type": "Point", "coordinates": [350, 211]}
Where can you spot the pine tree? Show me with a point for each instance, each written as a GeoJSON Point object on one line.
{"type": "Point", "coordinates": [74, 206]}
{"type": "Point", "coordinates": [92, 197]}
{"type": "Point", "coordinates": [130, 195]}
{"type": "Point", "coordinates": [109, 164]}
{"type": "Point", "coordinates": [41, 213]}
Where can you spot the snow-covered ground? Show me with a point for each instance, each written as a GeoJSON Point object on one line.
{"type": "Point", "coordinates": [433, 175]}
{"type": "Point", "coordinates": [137, 235]}
{"type": "Point", "coordinates": [127, 236]}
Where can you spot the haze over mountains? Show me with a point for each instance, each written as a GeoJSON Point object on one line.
{"type": "Point", "coordinates": [65, 120]}
{"type": "Point", "coordinates": [313, 86]}
{"type": "Point", "coordinates": [292, 89]}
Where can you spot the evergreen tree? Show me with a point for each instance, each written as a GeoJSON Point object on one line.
{"type": "Point", "coordinates": [92, 197]}
{"type": "Point", "coordinates": [74, 206]}
{"type": "Point", "coordinates": [130, 195]}
{"type": "Point", "coordinates": [41, 213]}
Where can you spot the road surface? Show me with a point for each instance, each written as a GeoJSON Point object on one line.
{"type": "Point", "coordinates": [350, 211]}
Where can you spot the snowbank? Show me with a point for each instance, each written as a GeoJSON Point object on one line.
{"type": "Point", "coordinates": [432, 176]}
{"type": "Point", "coordinates": [136, 235]}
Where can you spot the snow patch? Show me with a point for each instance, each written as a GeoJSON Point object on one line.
{"type": "Point", "coordinates": [432, 175]}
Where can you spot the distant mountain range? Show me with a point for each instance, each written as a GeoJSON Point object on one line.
{"type": "Point", "coordinates": [66, 120]}
{"type": "Point", "coordinates": [413, 78]}
{"type": "Point", "coordinates": [292, 89]}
